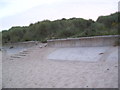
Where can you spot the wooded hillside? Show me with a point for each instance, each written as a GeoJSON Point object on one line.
{"type": "Point", "coordinates": [73, 27]}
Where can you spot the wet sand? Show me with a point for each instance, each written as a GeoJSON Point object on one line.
{"type": "Point", "coordinates": [33, 69]}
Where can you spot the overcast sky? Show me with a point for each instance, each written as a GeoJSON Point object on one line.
{"type": "Point", "coordinates": [24, 12]}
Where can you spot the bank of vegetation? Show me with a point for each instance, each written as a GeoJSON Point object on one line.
{"type": "Point", "coordinates": [63, 28]}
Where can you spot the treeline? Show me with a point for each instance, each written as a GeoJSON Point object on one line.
{"type": "Point", "coordinates": [64, 28]}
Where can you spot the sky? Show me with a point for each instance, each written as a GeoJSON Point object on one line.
{"type": "Point", "coordinates": [24, 12]}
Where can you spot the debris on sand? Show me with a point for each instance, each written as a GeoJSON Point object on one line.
{"type": "Point", "coordinates": [11, 47]}
{"type": "Point", "coordinates": [101, 53]}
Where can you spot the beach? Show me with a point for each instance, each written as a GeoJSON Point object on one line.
{"type": "Point", "coordinates": [0, 70]}
{"type": "Point", "coordinates": [36, 68]}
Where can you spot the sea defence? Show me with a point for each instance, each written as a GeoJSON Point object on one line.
{"type": "Point", "coordinates": [93, 41]}
{"type": "Point", "coordinates": [21, 44]}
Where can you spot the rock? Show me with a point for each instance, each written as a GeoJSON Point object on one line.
{"type": "Point", "coordinates": [11, 47]}
{"type": "Point", "coordinates": [40, 46]}
{"type": "Point", "coordinates": [101, 53]}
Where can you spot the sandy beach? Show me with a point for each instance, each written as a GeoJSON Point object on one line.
{"type": "Point", "coordinates": [0, 70]}
{"type": "Point", "coordinates": [34, 68]}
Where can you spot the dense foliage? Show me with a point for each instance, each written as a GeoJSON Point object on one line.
{"type": "Point", "coordinates": [73, 27]}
